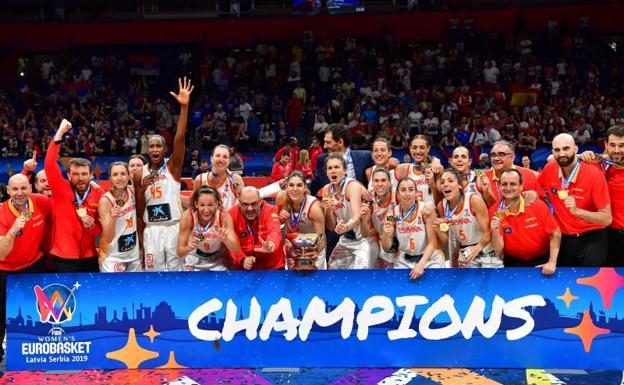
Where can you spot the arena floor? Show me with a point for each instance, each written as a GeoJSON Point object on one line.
{"type": "Point", "coordinates": [318, 377]}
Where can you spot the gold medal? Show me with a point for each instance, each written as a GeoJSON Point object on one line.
{"type": "Point", "coordinates": [499, 214]}
{"type": "Point", "coordinates": [81, 212]}
{"type": "Point", "coordinates": [27, 215]}
{"type": "Point", "coordinates": [444, 227]}
{"type": "Point", "coordinates": [119, 202]}
{"type": "Point", "coordinates": [563, 194]}
{"type": "Point", "coordinates": [390, 218]}
{"type": "Point", "coordinates": [199, 237]}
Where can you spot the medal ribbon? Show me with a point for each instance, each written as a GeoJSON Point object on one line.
{"type": "Point", "coordinates": [333, 190]}
{"type": "Point", "coordinates": [294, 222]}
{"type": "Point", "coordinates": [80, 200]}
{"type": "Point", "coordinates": [565, 182]}
{"type": "Point", "coordinates": [202, 229]}
{"type": "Point", "coordinates": [162, 167]}
{"type": "Point", "coordinates": [447, 208]}
{"type": "Point", "coordinates": [402, 217]}
{"type": "Point", "coordinates": [605, 164]}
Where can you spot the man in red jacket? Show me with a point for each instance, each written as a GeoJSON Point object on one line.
{"type": "Point", "coordinates": [258, 228]}
{"type": "Point", "coordinates": [23, 225]}
{"type": "Point", "coordinates": [75, 205]}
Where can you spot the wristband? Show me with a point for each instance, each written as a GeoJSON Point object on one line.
{"type": "Point", "coordinates": [9, 236]}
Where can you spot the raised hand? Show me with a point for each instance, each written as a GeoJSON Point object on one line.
{"type": "Point", "coordinates": [31, 164]}
{"type": "Point", "coordinates": [64, 127]}
{"type": "Point", "coordinates": [184, 91]}
{"type": "Point", "coordinates": [265, 246]}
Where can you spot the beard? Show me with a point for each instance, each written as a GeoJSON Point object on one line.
{"type": "Point", "coordinates": [565, 161]}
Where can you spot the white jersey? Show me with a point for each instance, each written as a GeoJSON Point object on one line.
{"type": "Point", "coordinates": [393, 179]}
{"type": "Point", "coordinates": [464, 225]}
{"type": "Point", "coordinates": [226, 189]}
{"type": "Point", "coordinates": [210, 253]}
{"type": "Point", "coordinates": [379, 213]}
{"type": "Point", "coordinates": [162, 197]}
{"type": "Point", "coordinates": [412, 234]}
{"type": "Point", "coordinates": [422, 187]}
{"type": "Point", "coordinates": [124, 245]}
{"type": "Point", "coordinates": [305, 225]}
{"type": "Point", "coordinates": [342, 207]}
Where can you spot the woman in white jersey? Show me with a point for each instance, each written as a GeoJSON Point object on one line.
{"type": "Point", "coordinates": [206, 233]}
{"type": "Point", "coordinates": [464, 225]}
{"type": "Point", "coordinates": [119, 245]}
{"type": "Point", "coordinates": [414, 231]}
{"type": "Point", "coordinates": [342, 202]}
{"type": "Point", "coordinates": [382, 156]}
{"type": "Point", "coordinates": [302, 213]}
{"type": "Point", "coordinates": [382, 199]}
{"type": "Point", "coordinates": [228, 185]}
{"type": "Point", "coordinates": [423, 169]}
{"type": "Point", "coordinates": [470, 179]}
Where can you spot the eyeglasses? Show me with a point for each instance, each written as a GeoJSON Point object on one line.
{"type": "Point", "coordinates": [499, 154]}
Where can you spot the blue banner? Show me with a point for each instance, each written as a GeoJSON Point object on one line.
{"type": "Point", "coordinates": [495, 318]}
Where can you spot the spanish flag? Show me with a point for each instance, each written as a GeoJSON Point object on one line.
{"type": "Point", "coordinates": [520, 95]}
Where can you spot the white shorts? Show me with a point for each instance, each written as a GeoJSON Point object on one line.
{"type": "Point", "coordinates": [350, 255]}
{"type": "Point", "coordinates": [435, 261]}
{"type": "Point", "coordinates": [373, 245]}
{"type": "Point", "coordinates": [488, 259]}
{"type": "Point", "coordinates": [160, 243]}
{"type": "Point", "coordinates": [108, 266]}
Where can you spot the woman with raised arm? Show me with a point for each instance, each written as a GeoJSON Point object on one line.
{"type": "Point", "coordinates": [422, 170]}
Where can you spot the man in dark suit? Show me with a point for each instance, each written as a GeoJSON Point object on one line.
{"type": "Point", "coordinates": [337, 140]}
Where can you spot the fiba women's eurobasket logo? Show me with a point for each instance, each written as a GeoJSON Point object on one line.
{"type": "Point", "coordinates": [56, 304]}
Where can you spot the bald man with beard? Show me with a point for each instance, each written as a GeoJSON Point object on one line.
{"type": "Point", "coordinates": [580, 196]}
{"type": "Point", "coordinates": [258, 228]}
{"type": "Point", "coordinates": [23, 220]}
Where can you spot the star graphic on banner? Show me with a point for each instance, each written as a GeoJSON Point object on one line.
{"type": "Point", "coordinates": [607, 281]}
{"type": "Point", "coordinates": [172, 363]}
{"type": "Point", "coordinates": [77, 285]}
{"type": "Point", "coordinates": [10, 173]}
{"type": "Point", "coordinates": [586, 331]}
{"type": "Point", "coordinates": [98, 171]}
{"type": "Point", "coordinates": [151, 333]}
{"type": "Point", "coordinates": [567, 297]}
{"type": "Point", "coordinates": [132, 354]}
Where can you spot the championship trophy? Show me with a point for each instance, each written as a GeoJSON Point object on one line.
{"type": "Point", "coordinates": [302, 250]}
